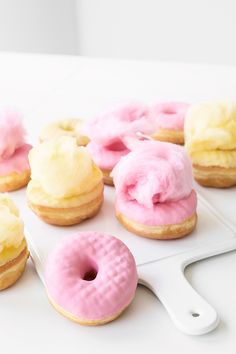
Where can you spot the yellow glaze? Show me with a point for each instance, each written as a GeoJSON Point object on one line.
{"type": "Point", "coordinates": [63, 169]}
{"type": "Point", "coordinates": [11, 229]}
{"type": "Point", "coordinates": [7, 204]}
{"type": "Point", "coordinates": [67, 127]}
{"type": "Point", "coordinates": [210, 134]}
{"type": "Point", "coordinates": [39, 197]}
{"type": "Point", "coordinates": [9, 253]}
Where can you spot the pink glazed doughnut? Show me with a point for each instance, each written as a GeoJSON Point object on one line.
{"type": "Point", "coordinates": [169, 121]}
{"type": "Point", "coordinates": [108, 133]}
{"type": "Point", "coordinates": [154, 191]}
{"type": "Point", "coordinates": [14, 164]}
{"type": "Point", "coordinates": [91, 278]}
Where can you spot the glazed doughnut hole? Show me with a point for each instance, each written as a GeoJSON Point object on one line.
{"type": "Point", "coordinates": [67, 126]}
{"type": "Point", "coordinates": [90, 274]}
{"type": "Point", "coordinates": [169, 111]}
{"type": "Point", "coordinates": [89, 270]}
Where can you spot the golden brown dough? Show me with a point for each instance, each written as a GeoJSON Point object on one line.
{"type": "Point", "coordinates": [170, 136]}
{"type": "Point", "coordinates": [14, 181]}
{"type": "Point", "coordinates": [81, 320]}
{"type": "Point", "coordinates": [11, 271]}
{"type": "Point", "coordinates": [214, 176]}
{"type": "Point", "coordinates": [107, 177]}
{"type": "Point", "coordinates": [165, 232]}
{"type": "Point", "coordinates": [64, 215]}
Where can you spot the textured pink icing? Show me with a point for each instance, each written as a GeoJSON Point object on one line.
{"type": "Point", "coordinates": [18, 162]}
{"type": "Point", "coordinates": [109, 131]}
{"type": "Point", "coordinates": [170, 115]}
{"type": "Point", "coordinates": [105, 296]}
{"type": "Point", "coordinates": [154, 184]}
{"type": "Point", "coordinates": [12, 133]}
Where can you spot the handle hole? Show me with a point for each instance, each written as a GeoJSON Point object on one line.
{"type": "Point", "coordinates": [195, 314]}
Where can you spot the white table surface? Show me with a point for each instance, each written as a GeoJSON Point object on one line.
{"type": "Point", "coordinates": [46, 87]}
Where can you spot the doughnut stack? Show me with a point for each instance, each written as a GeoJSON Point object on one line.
{"type": "Point", "coordinates": [14, 164]}
{"type": "Point", "coordinates": [210, 134]}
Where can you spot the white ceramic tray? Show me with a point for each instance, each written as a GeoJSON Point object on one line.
{"type": "Point", "coordinates": [223, 200]}
{"type": "Point", "coordinates": [160, 263]}
{"type": "Point", "coordinates": [94, 85]}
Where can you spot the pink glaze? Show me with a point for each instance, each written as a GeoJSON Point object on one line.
{"type": "Point", "coordinates": [170, 115]}
{"type": "Point", "coordinates": [154, 184]}
{"type": "Point", "coordinates": [109, 131]}
{"type": "Point", "coordinates": [76, 261]}
{"type": "Point", "coordinates": [104, 156]}
{"type": "Point", "coordinates": [118, 123]}
{"type": "Point", "coordinates": [18, 162]}
{"type": "Point", "coordinates": [12, 133]}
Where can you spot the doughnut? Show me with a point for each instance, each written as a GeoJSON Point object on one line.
{"type": "Point", "coordinates": [66, 186]}
{"type": "Point", "coordinates": [210, 141]}
{"type": "Point", "coordinates": [14, 164]}
{"type": "Point", "coordinates": [69, 127]}
{"type": "Point", "coordinates": [154, 191]}
{"type": "Point", "coordinates": [13, 247]}
{"type": "Point", "coordinates": [91, 278]}
{"type": "Point", "coordinates": [106, 157]}
{"type": "Point", "coordinates": [109, 131]}
{"type": "Point", "coordinates": [169, 119]}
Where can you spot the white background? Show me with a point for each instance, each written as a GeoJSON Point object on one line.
{"type": "Point", "coordinates": [28, 323]}
{"type": "Point", "coordinates": [43, 26]}
{"type": "Point", "coordinates": [176, 30]}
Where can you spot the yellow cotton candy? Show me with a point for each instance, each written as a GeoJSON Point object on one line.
{"type": "Point", "coordinates": [5, 201]}
{"type": "Point", "coordinates": [11, 252]}
{"type": "Point", "coordinates": [11, 226]}
{"type": "Point", "coordinates": [210, 134]}
{"type": "Point", "coordinates": [226, 159]}
{"type": "Point", "coordinates": [63, 169]}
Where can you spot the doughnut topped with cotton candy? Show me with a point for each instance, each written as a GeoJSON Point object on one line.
{"type": "Point", "coordinates": [169, 121]}
{"type": "Point", "coordinates": [154, 190]}
{"type": "Point", "coordinates": [115, 124]}
{"type": "Point", "coordinates": [109, 131]}
{"type": "Point", "coordinates": [210, 140]}
{"type": "Point", "coordinates": [12, 132]}
{"type": "Point", "coordinates": [14, 164]}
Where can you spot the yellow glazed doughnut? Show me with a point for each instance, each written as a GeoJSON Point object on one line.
{"type": "Point", "coordinates": [69, 127]}
{"type": "Point", "coordinates": [66, 186]}
{"type": "Point", "coordinates": [210, 140]}
{"type": "Point", "coordinates": [14, 181]}
{"type": "Point", "coordinates": [13, 247]}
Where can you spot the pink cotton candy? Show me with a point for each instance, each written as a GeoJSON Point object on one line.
{"type": "Point", "coordinates": [115, 124]}
{"type": "Point", "coordinates": [154, 184]}
{"type": "Point", "coordinates": [12, 133]}
{"type": "Point", "coordinates": [154, 171]}
{"type": "Point", "coordinates": [109, 132]}
{"type": "Point", "coordinates": [170, 115]}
